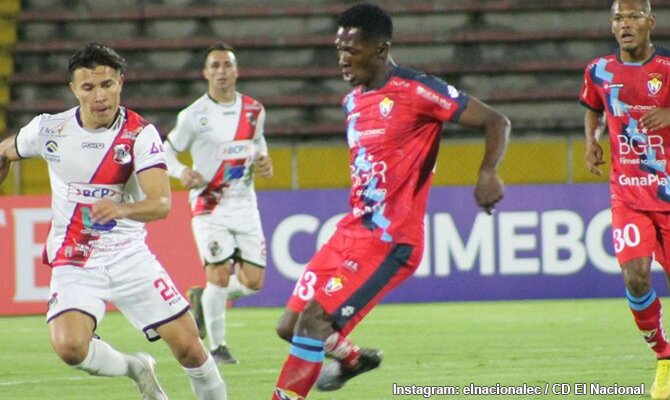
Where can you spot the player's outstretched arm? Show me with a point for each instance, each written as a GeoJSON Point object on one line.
{"type": "Point", "coordinates": [593, 129]}
{"type": "Point", "coordinates": [489, 189]}
{"type": "Point", "coordinates": [155, 185]}
{"type": "Point", "coordinates": [8, 153]}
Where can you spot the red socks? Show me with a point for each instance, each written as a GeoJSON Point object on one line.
{"type": "Point", "coordinates": [647, 313]}
{"type": "Point", "coordinates": [340, 348]}
{"type": "Point", "coordinates": [300, 370]}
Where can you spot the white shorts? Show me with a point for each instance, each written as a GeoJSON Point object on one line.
{"type": "Point", "coordinates": [219, 238]}
{"type": "Point", "coordinates": [134, 281]}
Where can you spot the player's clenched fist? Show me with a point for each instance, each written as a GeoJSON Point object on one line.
{"type": "Point", "coordinates": [489, 191]}
{"type": "Point", "coordinates": [106, 210]}
{"type": "Point", "coordinates": [264, 166]}
{"type": "Point", "coordinates": [593, 157]}
{"type": "Point", "coordinates": [192, 179]}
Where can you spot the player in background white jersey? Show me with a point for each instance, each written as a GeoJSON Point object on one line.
{"type": "Point", "coordinates": [107, 172]}
{"type": "Point", "coordinates": [223, 131]}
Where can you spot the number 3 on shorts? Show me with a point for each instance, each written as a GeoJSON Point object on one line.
{"type": "Point", "coordinates": [629, 236]}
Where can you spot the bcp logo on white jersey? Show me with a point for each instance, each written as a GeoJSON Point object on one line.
{"type": "Point", "coordinates": [235, 150]}
{"type": "Point", "coordinates": [86, 193]}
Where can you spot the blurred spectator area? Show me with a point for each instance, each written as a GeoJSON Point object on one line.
{"type": "Point", "coordinates": [525, 57]}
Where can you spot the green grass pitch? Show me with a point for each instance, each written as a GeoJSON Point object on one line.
{"type": "Point", "coordinates": [450, 344]}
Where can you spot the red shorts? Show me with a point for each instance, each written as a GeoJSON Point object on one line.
{"type": "Point", "coordinates": [348, 276]}
{"type": "Point", "coordinates": [638, 234]}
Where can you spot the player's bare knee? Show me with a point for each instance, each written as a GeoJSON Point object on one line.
{"type": "Point", "coordinates": [219, 281]}
{"type": "Point", "coordinates": [190, 354]}
{"type": "Point", "coordinates": [251, 276]}
{"type": "Point", "coordinates": [286, 324]}
{"type": "Point", "coordinates": [256, 284]}
{"type": "Point", "coordinates": [72, 352]}
{"type": "Point", "coordinates": [284, 329]}
{"type": "Point", "coordinates": [638, 286]}
{"type": "Point", "coordinates": [637, 277]}
{"type": "Point", "coordinates": [314, 322]}
{"type": "Point", "coordinates": [218, 274]}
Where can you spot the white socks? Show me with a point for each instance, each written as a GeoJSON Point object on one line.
{"type": "Point", "coordinates": [206, 381]}
{"type": "Point", "coordinates": [214, 302]}
{"type": "Point", "coordinates": [237, 290]}
{"type": "Point", "coordinates": [103, 360]}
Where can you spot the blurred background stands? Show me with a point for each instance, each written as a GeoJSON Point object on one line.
{"type": "Point", "coordinates": [526, 57]}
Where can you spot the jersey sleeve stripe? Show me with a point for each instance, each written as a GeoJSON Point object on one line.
{"type": "Point", "coordinates": [16, 146]}
{"type": "Point", "coordinates": [159, 165]}
{"type": "Point", "coordinates": [167, 140]}
{"type": "Point", "coordinates": [583, 103]}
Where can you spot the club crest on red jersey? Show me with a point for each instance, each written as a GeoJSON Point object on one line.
{"type": "Point", "coordinates": [122, 154]}
{"type": "Point", "coordinates": [334, 284]}
{"type": "Point", "coordinates": [385, 107]}
{"type": "Point", "coordinates": [251, 117]}
{"type": "Point", "coordinates": [654, 84]}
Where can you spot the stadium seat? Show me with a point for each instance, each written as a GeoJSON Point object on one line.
{"type": "Point", "coordinates": [10, 7]}
{"type": "Point", "coordinates": [4, 96]}
{"type": "Point", "coordinates": [9, 10]}
{"type": "Point", "coordinates": [464, 37]}
{"type": "Point", "coordinates": [525, 57]}
{"type": "Point", "coordinates": [282, 101]}
{"type": "Point", "coordinates": [6, 64]}
{"type": "Point", "coordinates": [180, 11]}
{"type": "Point", "coordinates": [319, 72]}
{"type": "Point", "coordinates": [7, 33]}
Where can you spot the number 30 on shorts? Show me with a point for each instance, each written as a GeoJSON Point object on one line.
{"type": "Point", "coordinates": [629, 236]}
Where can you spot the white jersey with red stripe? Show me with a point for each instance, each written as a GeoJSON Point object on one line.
{"type": "Point", "coordinates": [84, 167]}
{"type": "Point", "coordinates": [224, 141]}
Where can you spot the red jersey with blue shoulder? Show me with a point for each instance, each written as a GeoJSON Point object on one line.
{"type": "Point", "coordinates": [394, 135]}
{"type": "Point", "coordinates": [625, 92]}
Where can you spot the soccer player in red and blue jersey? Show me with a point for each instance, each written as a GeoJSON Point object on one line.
{"type": "Point", "coordinates": [630, 90]}
{"type": "Point", "coordinates": [394, 119]}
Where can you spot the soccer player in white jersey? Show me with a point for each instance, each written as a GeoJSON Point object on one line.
{"type": "Point", "coordinates": [223, 131]}
{"type": "Point", "coordinates": [108, 176]}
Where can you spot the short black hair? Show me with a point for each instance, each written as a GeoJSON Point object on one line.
{"type": "Point", "coordinates": [94, 54]}
{"type": "Point", "coordinates": [646, 4]}
{"type": "Point", "coordinates": [218, 47]}
{"type": "Point", "coordinates": [373, 21]}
